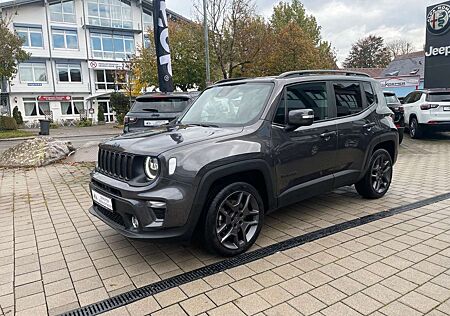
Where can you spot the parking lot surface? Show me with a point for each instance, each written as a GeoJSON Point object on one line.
{"type": "Point", "coordinates": [56, 257]}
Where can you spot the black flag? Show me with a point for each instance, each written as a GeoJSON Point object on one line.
{"type": "Point", "coordinates": [162, 46]}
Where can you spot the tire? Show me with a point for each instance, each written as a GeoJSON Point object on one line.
{"type": "Point", "coordinates": [377, 180]}
{"type": "Point", "coordinates": [400, 137]}
{"type": "Point", "coordinates": [227, 218]}
{"type": "Point", "coordinates": [415, 131]}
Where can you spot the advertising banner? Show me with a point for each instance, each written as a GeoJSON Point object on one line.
{"type": "Point", "coordinates": [162, 46]}
{"type": "Point", "coordinates": [437, 46]}
{"type": "Point", "coordinates": [399, 82]}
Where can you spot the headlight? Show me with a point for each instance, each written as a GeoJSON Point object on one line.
{"type": "Point", "coordinates": [151, 167]}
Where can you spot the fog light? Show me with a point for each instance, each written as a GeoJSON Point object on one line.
{"type": "Point", "coordinates": [134, 222]}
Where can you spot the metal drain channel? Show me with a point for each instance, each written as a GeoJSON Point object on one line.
{"type": "Point", "coordinates": [163, 285]}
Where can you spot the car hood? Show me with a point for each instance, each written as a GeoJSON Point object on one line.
{"type": "Point", "coordinates": [158, 140]}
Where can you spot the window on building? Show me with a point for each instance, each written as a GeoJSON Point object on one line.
{"type": "Point", "coordinates": [33, 72]}
{"type": "Point", "coordinates": [146, 41]}
{"type": "Point", "coordinates": [69, 72]}
{"type": "Point", "coordinates": [65, 39]}
{"type": "Point", "coordinates": [110, 13]}
{"type": "Point", "coordinates": [348, 98]}
{"type": "Point", "coordinates": [63, 11]}
{"type": "Point", "coordinates": [110, 46]}
{"type": "Point", "coordinates": [148, 22]}
{"type": "Point", "coordinates": [32, 36]}
{"type": "Point", "coordinates": [74, 107]}
{"type": "Point", "coordinates": [106, 80]}
{"type": "Point", "coordinates": [35, 108]}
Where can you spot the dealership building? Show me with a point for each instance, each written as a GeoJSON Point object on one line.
{"type": "Point", "coordinates": [79, 51]}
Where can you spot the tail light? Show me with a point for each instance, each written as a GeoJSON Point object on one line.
{"type": "Point", "coordinates": [129, 120]}
{"type": "Point", "coordinates": [427, 106]}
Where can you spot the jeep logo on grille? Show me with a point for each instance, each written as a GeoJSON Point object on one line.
{"type": "Point", "coordinates": [438, 19]}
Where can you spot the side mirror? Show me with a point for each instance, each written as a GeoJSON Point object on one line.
{"type": "Point", "coordinates": [296, 118]}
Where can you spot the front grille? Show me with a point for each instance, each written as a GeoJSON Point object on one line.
{"type": "Point", "coordinates": [115, 217]}
{"type": "Point", "coordinates": [115, 164]}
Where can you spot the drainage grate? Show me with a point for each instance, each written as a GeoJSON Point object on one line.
{"type": "Point", "coordinates": [154, 288]}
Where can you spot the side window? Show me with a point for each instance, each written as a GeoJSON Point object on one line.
{"type": "Point", "coordinates": [370, 95]}
{"type": "Point", "coordinates": [410, 97]}
{"type": "Point", "coordinates": [304, 96]}
{"type": "Point", "coordinates": [418, 97]}
{"type": "Point", "coordinates": [348, 98]}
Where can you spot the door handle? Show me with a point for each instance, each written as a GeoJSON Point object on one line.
{"type": "Point", "coordinates": [327, 135]}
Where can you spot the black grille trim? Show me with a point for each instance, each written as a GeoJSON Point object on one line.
{"type": "Point", "coordinates": [115, 217]}
{"type": "Point", "coordinates": [115, 164]}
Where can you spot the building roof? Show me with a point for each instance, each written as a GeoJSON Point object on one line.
{"type": "Point", "coordinates": [372, 72]}
{"type": "Point", "coordinates": [406, 65]}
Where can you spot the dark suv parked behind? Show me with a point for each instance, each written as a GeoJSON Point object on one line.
{"type": "Point", "coordinates": [154, 109]}
{"type": "Point", "coordinates": [243, 149]}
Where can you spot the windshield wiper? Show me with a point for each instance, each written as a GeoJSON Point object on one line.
{"type": "Point", "coordinates": [150, 110]}
{"type": "Point", "coordinates": [204, 125]}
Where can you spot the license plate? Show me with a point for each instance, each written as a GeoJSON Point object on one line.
{"type": "Point", "coordinates": [104, 201]}
{"type": "Point", "coordinates": [446, 108]}
{"type": "Point", "coordinates": [155, 123]}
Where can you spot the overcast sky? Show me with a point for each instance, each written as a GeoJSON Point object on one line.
{"type": "Point", "coordinates": [345, 21]}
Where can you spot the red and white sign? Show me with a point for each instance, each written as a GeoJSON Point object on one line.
{"type": "Point", "coordinates": [54, 98]}
{"type": "Point", "coordinates": [399, 82]}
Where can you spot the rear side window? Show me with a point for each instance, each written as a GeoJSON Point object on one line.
{"type": "Point", "coordinates": [370, 95]}
{"type": "Point", "coordinates": [160, 105]}
{"type": "Point", "coordinates": [391, 98]}
{"type": "Point", "coordinates": [304, 96]}
{"type": "Point", "coordinates": [348, 98]}
{"type": "Point", "coordinates": [439, 97]}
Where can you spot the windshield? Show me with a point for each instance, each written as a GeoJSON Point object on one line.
{"type": "Point", "coordinates": [236, 104]}
{"type": "Point", "coordinates": [160, 105]}
{"type": "Point", "coordinates": [391, 98]}
{"type": "Point", "coordinates": [439, 97]}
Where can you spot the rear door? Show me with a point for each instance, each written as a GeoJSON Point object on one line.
{"type": "Point", "coordinates": [357, 124]}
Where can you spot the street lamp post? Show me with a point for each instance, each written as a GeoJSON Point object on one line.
{"type": "Point", "coordinates": [205, 27]}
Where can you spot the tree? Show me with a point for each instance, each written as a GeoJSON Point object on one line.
{"type": "Point", "coordinates": [120, 104]}
{"type": "Point", "coordinates": [294, 12]}
{"type": "Point", "coordinates": [11, 52]}
{"type": "Point", "coordinates": [101, 115]}
{"type": "Point", "coordinates": [399, 47]}
{"type": "Point", "coordinates": [188, 59]}
{"type": "Point", "coordinates": [17, 116]}
{"type": "Point", "coordinates": [369, 52]}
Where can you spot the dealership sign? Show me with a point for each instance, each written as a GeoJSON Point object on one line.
{"type": "Point", "coordinates": [54, 98]}
{"type": "Point", "coordinates": [399, 82]}
{"type": "Point", "coordinates": [108, 65]}
{"type": "Point", "coordinates": [437, 46]}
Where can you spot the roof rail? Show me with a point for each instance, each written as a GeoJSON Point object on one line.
{"type": "Point", "coordinates": [230, 79]}
{"type": "Point", "coordinates": [300, 73]}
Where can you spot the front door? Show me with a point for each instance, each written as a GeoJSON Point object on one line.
{"type": "Point", "coordinates": [305, 157]}
{"type": "Point", "coordinates": [109, 115]}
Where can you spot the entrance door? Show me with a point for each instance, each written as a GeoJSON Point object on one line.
{"type": "Point", "coordinates": [109, 115]}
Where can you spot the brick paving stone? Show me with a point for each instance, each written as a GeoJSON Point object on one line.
{"type": "Point", "coordinates": [197, 304]}
{"type": "Point", "coordinates": [251, 304]}
{"type": "Point", "coordinates": [270, 278]}
{"type": "Point", "coordinates": [315, 278]}
{"type": "Point", "coordinates": [275, 295]}
{"type": "Point", "coordinates": [328, 294]}
{"type": "Point", "coordinates": [40, 310]}
{"type": "Point", "coordinates": [339, 309]}
{"type": "Point", "coordinates": [246, 286]}
{"type": "Point", "coordinates": [282, 309]}
{"type": "Point", "coordinates": [362, 303]}
{"type": "Point", "coordinates": [399, 309]}
{"type": "Point", "coordinates": [28, 289]}
{"type": "Point", "coordinates": [296, 286]}
{"type": "Point", "coordinates": [143, 307]}
{"type": "Point", "coordinates": [30, 301]}
{"type": "Point", "coordinates": [419, 302]}
{"type": "Point", "coordinates": [196, 287]}
{"type": "Point", "coordinates": [222, 295]}
{"type": "Point", "coordinates": [306, 304]}
{"type": "Point", "coordinates": [58, 287]}
{"type": "Point", "coordinates": [170, 297]}
{"type": "Point", "coordinates": [92, 296]}
{"type": "Point", "coordinates": [227, 309]}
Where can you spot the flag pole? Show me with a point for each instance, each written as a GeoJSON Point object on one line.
{"type": "Point", "coordinates": [205, 29]}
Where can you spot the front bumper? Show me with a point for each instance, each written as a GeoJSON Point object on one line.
{"type": "Point", "coordinates": [171, 221]}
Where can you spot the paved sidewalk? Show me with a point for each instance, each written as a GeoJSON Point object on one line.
{"type": "Point", "coordinates": [55, 257]}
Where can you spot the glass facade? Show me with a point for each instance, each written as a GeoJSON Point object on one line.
{"type": "Point", "coordinates": [63, 11]}
{"type": "Point", "coordinates": [65, 39]}
{"type": "Point", "coordinates": [148, 22]}
{"type": "Point", "coordinates": [110, 13]}
{"type": "Point", "coordinates": [68, 72]}
{"type": "Point", "coordinates": [32, 36]}
{"type": "Point", "coordinates": [33, 72]}
{"type": "Point", "coordinates": [109, 46]}
{"type": "Point", "coordinates": [109, 80]}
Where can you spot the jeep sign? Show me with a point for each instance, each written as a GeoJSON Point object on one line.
{"type": "Point", "coordinates": [437, 47]}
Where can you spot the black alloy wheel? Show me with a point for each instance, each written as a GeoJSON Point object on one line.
{"type": "Point", "coordinates": [234, 219]}
{"type": "Point", "coordinates": [377, 180]}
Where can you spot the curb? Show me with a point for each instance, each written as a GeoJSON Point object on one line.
{"type": "Point", "coordinates": [55, 137]}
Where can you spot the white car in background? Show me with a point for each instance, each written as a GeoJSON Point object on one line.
{"type": "Point", "coordinates": [427, 110]}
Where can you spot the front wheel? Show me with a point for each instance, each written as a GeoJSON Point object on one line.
{"type": "Point", "coordinates": [234, 219]}
{"type": "Point", "coordinates": [377, 180]}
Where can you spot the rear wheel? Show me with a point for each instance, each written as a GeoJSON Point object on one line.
{"type": "Point", "coordinates": [415, 131]}
{"type": "Point", "coordinates": [377, 180]}
{"type": "Point", "coordinates": [234, 219]}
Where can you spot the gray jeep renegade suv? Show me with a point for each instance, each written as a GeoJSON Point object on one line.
{"type": "Point", "coordinates": [243, 149]}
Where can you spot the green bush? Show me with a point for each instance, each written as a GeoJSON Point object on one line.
{"type": "Point", "coordinates": [54, 125]}
{"type": "Point", "coordinates": [120, 104]}
{"type": "Point", "coordinates": [101, 114]}
{"type": "Point", "coordinates": [84, 123]}
{"type": "Point", "coordinates": [7, 123]}
{"type": "Point", "coordinates": [17, 116]}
